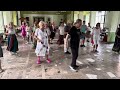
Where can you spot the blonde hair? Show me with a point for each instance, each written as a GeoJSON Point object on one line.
{"type": "Point", "coordinates": [41, 22]}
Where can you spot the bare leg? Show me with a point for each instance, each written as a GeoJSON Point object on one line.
{"type": "Point", "coordinates": [38, 61]}
{"type": "Point", "coordinates": [47, 58]}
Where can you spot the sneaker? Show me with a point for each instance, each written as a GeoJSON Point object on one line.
{"type": "Point", "coordinates": [73, 68]}
{"type": "Point", "coordinates": [67, 52]}
{"type": "Point", "coordinates": [76, 66]}
{"type": "Point", "coordinates": [1, 70]}
{"type": "Point", "coordinates": [83, 45]}
{"type": "Point", "coordinates": [48, 61]}
{"type": "Point", "coordinates": [96, 51]}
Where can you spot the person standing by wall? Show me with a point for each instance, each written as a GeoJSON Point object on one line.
{"type": "Point", "coordinates": [116, 46]}
{"type": "Point", "coordinates": [74, 42]}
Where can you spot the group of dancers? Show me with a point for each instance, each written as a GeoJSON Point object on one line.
{"type": "Point", "coordinates": [42, 34]}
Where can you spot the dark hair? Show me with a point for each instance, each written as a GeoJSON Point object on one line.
{"type": "Point", "coordinates": [83, 21]}
{"type": "Point", "coordinates": [78, 21]}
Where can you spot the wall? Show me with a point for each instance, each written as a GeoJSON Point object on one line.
{"type": "Point", "coordinates": [14, 17]}
{"type": "Point", "coordinates": [7, 15]}
{"type": "Point", "coordinates": [1, 22]}
{"type": "Point", "coordinates": [87, 18]}
{"type": "Point", "coordinates": [54, 18]}
{"type": "Point", "coordinates": [93, 18]}
{"type": "Point", "coordinates": [81, 16]}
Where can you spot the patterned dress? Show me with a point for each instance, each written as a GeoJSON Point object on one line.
{"type": "Point", "coordinates": [42, 48]}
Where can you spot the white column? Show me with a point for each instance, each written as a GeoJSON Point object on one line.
{"type": "Point", "coordinates": [87, 18]}
{"type": "Point", "coordinates": [92, 18]}
{"type": "Point", "coordinates": [112, 20]}
{"type": "Point", "coordinates": [81, 15]}
{"type": "Point", "coordinates": [1, 22]}
{"type": "Point", "coordinates": [19, 16]}
{"type": "Point", "coordinates": [7, 15]}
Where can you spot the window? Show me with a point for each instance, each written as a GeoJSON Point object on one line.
{"type": "Point", "coordinates": [100, 18]}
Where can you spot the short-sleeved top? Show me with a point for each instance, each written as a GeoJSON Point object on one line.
{"type": "Point", "coordinates": [42, 35]}
{"type": "Point", "coordinates": [75, 37]}
{"type": "Point", "coordinates": [96, 32]}
{"type": "Point", "coordinates": [11, 30]}
{"type": "Point", "coordinates": [61, 30]}
{"type": "Point", "coordinates": [83, 28]}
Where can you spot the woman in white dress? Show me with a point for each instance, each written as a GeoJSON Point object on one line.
{"type": "Point", "coordinates": [96, 36]}
{"type": "Point", "coordinates": [42, 48]}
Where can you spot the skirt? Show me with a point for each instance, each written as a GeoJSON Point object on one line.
{"type": "Point", "coordinates": [12, 43]}
{"type": "Point", "coordinates": [116, 46]}
{"type": "Point", "coordinates": [1, 51]}
{"type": "Point", "coordinates": [52, 35]}
{"type": "Point", "coordinates": [61, 39]}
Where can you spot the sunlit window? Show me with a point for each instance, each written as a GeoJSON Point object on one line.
{"type": "Point", "coordinates": [100, 18]}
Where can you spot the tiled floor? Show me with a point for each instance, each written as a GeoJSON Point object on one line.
{"type": "Point", "coordinates": [92, 65]}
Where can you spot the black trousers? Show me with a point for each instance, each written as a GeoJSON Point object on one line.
{"type": "Point", "coordinates": [74, 56]}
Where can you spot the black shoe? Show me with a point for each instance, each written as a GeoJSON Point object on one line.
{"type": "Point", "coordinates": [83, 45]}
{"type": "Point", "coordinates": [76, 66]}
{"type": "Point", "coordinates": [88, 41]}
{"type": "Point", "coordinates": [96, 51]}
{"type": "Point", "coordinates": [67, 52]}
{"type": "Point", "coordinates": [73, 68]}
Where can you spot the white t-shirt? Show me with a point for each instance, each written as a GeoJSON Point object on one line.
{"type": "Point", "coordinates": [96, 32]}
{"type": "Point", "coordinates": [11, 31]}
{"type": "Point", "coordinates": [61, 30]}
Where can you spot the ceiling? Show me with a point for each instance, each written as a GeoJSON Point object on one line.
{"type": "Point", "coordinates": [46, 12]}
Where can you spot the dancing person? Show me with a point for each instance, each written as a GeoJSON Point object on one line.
{"type": "Point", "coordinates": [88, 33]}
{"type": "Point", "coordinates": [42, 48]}
{"type": "Point", "coordinates": [61, 34]}
{"type": "Point", "coordinates": [66, 42]}
{"type": "Point", "coordinates": [29, 33]}
{"type": "Point", "coordinates": [12, 39]}
{"type": "Point", "coordinates": [33, 35]}
{"type": "Point", "coordinates": [1, 55]}
{"type": "Point", "coordinates": [116, 46]}
{"type": "Point", "coordinates": [48, 31]}
{"type": "Point", "coordinates": [23, 28]}
{"type": "Point", "coordinates": [83, 30]}
{"type": "Point", "coordinates": [53, 30]}
{"type": "Point", "coordinates": [96, 36]}
{"type": "Point", "coordinates": [74, 42]}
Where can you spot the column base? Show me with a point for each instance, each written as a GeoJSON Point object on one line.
{"type": "Point", "coordinates": [111, 37]}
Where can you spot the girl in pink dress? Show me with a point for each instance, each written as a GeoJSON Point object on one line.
{"type": "Point", "coordinates": [23, 28]}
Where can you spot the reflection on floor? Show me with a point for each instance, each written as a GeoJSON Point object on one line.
{"type": "Point", "coordinates": [102, 65]}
